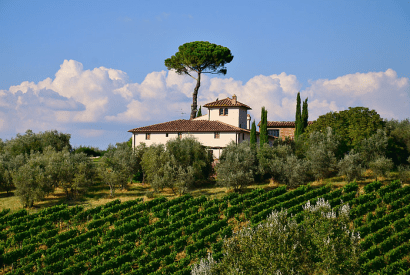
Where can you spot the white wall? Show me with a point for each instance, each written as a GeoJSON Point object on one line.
{"type": "Point", "coordinates": [232, 118]}
{"type": "Point", "coordinates": [205, 138]}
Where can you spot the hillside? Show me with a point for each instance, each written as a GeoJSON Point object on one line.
{"type": "Point", "coordinates": [164, 236]}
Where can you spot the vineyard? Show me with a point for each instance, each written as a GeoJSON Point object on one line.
{"type": "Point", "coordinates": [167, 236]}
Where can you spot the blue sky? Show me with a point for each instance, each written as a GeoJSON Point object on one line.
{"type": "Point", "coordinates": [95, 69]}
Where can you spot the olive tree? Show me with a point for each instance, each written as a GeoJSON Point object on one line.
{"type": "Point", "coordinates": [381, 166]}
{"type": "Point", "coordinates": [373, 147]}
{"type": "Point", "coordinates": [237, 166]}
{"type": "Point", "coordinates": [321, 153]}
{"type": "Point", "coordinates": [32, 142]}
{"type": "Point", "coordinates": [292, 171]}
{"type": "Point", "coordinates": [8, 165]}
{"type": "Point", "coordinates": [322, 243]}
{"type": "Point", "coordinates": [351, 166]}
{"type": "Point", "coordinates": [179, 165]}
{"type": "Point", "coordinates": [31, 181]}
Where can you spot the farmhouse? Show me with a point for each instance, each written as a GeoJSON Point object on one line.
{"type": "Point", "coordinates": [227, 120]}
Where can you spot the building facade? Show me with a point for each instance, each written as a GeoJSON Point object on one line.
{"type": "Point", "coordinates": [227, 120]}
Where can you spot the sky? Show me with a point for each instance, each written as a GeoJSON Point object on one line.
{"type": "Point", "coordinates": [95, 69]}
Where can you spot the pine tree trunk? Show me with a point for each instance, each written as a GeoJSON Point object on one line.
{"type": "Point", "coordinates": [195, 96]}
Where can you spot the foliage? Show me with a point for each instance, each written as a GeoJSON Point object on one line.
{"type": "Point", "coordinates": [43, 172]}
{"type": "Point", "coordinates": [31, 181]}
{"type": "Point", "coordinates": [381, 166]}
{"type": "Point", "coordinates": [263, 129]}
{"type": "Point", "coordinates": [305, 115]}
{"type": "Point", "coordinates": [271, 159]}
{"type": "Point", "coordinates": [237, 166]}
{"type": "Point", "coordinates": [352, 125]}
{"type": "Point", "coordinates": [321, 153]}
{"type": "Point", "coordinates": [253, 135]}
{"type": "Point", "coordinates": [199, 112]}
{"type": "Point", "coordinates": [298, 118]}
{"type": "Point", "coordinates": [293, 171]}
{"type": "Point", "coordinates": [184, 162]}
{"type": "Point", "coordinates": [200, 57]}
{"type": "Point", "coordinates": [190, 152]}
{"type": "Point", "coordinates": [88, 150]}
{"type": "Point", "coordinates": [351, 166]}
{"type": "Point", "coordinates": [321, 243]}
{"type": "Point", "coordinates": [398, 148]}
{"type": "Point", "coordinates": [25, 144]}
{"type": "Point", "coordinates": [8, 166]}
{"type": "Point", "coordinates": [119, 165]}
{"type": "Point", "coordinates": [404, 173]}
{"type": "Point", "coordinates": [373, 147]}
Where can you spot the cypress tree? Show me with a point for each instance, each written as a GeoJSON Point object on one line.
{"type": "Point", "coordinates": [263, 129]}
{"type": "Point", "coordinates": [253, 135]}
{"type": "Point", "coordinates": [200, 112]}
{"type": "Point", "coordinates": [298, 120]}
{"type": "Point", "coordinates": [305, 115]}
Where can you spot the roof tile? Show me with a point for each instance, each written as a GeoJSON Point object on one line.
{"type": "Point", "coordinates": [182, 125]}
{"type": "Point", "coordinates": [226, 102]}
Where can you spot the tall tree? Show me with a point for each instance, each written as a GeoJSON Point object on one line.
{"type": "Point", "coordinates": [298, 118]}
{"type": "Point", "coordinates": [353, 125]}
{"type": "Point", "coordinates": [305, 115]}
{"type": "Point", "coordinates": [263, 129]}
{"type": "Point", "coordinates": [200, 57]}
{"type": "Point", "coordinates": [253, 135]}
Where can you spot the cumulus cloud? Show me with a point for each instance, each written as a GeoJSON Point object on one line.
{"type": "Point", "coordinates": [76, 99]}
{"type": "Point", "coordinates": [384, 92]}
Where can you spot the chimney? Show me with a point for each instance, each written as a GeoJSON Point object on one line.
{"type": "Point", "coordinates": [249, 121]}
{"type": "Point", "coordinates": [234, 99]}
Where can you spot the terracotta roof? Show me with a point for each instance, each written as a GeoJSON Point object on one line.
{"type": "Point", "coordinates": [227, 102]}
{"type": "Point", "coordinates": [182, 125]}
{"type": "Point", "coordinates": [283, 124]}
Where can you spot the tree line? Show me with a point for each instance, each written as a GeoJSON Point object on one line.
{"type": "Point", "coordinates": [342, 143]}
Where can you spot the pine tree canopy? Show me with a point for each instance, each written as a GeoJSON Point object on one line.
{"type": "Point", "coordinates": [200, 57]}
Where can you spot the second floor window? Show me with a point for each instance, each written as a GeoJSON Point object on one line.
{"type": "Point", "coordinates": [147, 136]}
{"type": "Point", "coordinates": [179, 135]}
{"type": "Point", "coordinates": [223, 112]}
{"type": "Point", "coordinates": [217, 134]}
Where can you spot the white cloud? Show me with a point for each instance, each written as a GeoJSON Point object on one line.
{"type": "Point", "coordinates": [382, 91]}
{"type": "Point", "coordinates": [76, 99]}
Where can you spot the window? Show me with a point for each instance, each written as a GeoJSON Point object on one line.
{"type": "Point", "coordinates": [166, 135]}
{"type": "Point", "coordinates": [274, 133]}
{"type": "Point", "coordinates": [217, 134]}
{"type": "Point", "coordinates": [148, 136]}
{"type": "Point", "coordinates": [179, 135]}
{"type": "Point", "coordinates": [243, 136]}
{"type": "Point", "coordinates": [223, 112]}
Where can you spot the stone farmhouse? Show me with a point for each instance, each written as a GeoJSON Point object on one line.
{"type": "Point", "coordinates": [227, 120]}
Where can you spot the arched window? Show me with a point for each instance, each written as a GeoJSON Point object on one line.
{"type": "Point", "coordinates": [221, 111]}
